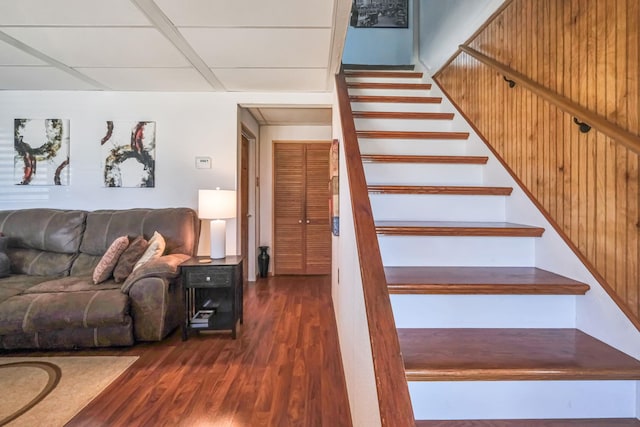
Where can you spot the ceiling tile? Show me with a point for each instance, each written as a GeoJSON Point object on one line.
{"type": "Point", "coordinates": [266, 47]}
{"type": "Point", "coordinates": [101, 47]}
{"type": "Point", "coordinates": [249, 13]}
{"type": "Point", "coordinates": [10, 55]}
{"type": "Point", "coordinates": [271, 80]}
{"type": "Point", "coordinates": [70, 12]}
{"type": "Point", "coordinates": [39, 78]}
{"type": "Point", "coordinates": [151, 79]}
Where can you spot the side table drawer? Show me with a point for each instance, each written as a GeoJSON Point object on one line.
{"type": "Point", "coordinates": [207, 278]}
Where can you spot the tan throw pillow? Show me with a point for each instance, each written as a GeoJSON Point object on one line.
{"type": "Point", "coordinates": [128, 259]}
{"type": "Point", "coordinates": [109, 260]}
{"type": "Point", "coordinates": [154, 250]}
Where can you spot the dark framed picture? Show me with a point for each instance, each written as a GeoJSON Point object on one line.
{"type": "Point", "coordinates": [380, 14]}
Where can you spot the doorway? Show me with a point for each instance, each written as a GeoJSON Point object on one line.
{"type": "Point", "coordinates": [302, 223]}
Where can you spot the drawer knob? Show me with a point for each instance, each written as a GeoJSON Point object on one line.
{"type": "Point", "coordinates": [208, 279]}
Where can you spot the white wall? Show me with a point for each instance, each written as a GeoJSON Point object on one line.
{"type": "Point", "coordinates": [388, 46]}
{"type": "Point", "coordinates": [349, 308]}
{"type": "Point", "coordinates": [252, 130]}
{"type": "Point", "coordinates": [187, 125]}
{"type": "Point", "coordinates": [268, 134]}
{"type": "Point", "coordinates": [446, 24]}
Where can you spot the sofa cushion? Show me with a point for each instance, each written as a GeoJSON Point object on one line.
{"type": "Point", "coordinates": [51, 230]}
{"type": "Point", "coordinates": [49, 311]}
{"type": "Point", "coordinates": [179, 226]}
{"type": "Point", "coordinates": [43, 242]}
{"type": "Point", "coordinates": [108, 262]}
{"type": "Point", "coordinates": [40, 263]}
{"type": "Point", "coordinates": [5, 263]}
{"type": "Point", "coordinates": [128, 259]}
{"type": "Point", "coordinates": [70, 284]}
{"type": "Point", "coordinates": [108, 336]}
{"type": "Point", "coordinates": [17, 284]}
{"type": "Point", "coordinates": [84, 264]}
{"type": "Point", "coordinates": [156, 248]}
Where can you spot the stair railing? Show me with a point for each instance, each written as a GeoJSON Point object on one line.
{"type": "Point", "coordinates": [392, 388]}
{"type": "Point", "coordinates": [586, 117]}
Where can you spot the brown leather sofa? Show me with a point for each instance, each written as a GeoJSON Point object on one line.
{"type": "Point", "coordinates": [50, 301]}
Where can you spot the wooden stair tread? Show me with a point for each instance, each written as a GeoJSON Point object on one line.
{"type": "Point", "coordinates": [401, 115]}
{"type": "Point", "coordinates": [511, 354]}
{"type": "Point", "coordinates": [582, 422]}
{"type": "Point", "coordinates": [397, 99]}
{"type": "Point", "coordinates": [449, 228]}
{"type": "Point", "coordinates": [391, 158]}
{"type": "Point", "coordinates": [390, 134]}
{"type": "Point", "coordinates": [440, 189]}
{"type": "Point", "coordinates": [480, 280]}
{"type": "Point", "coordinates": [390, 74]}
{"type": "Point", "coordinates": [371, 85]}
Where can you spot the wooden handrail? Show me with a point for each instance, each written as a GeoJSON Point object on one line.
{"type": "Point", "coordinates": [393, 392]}
{"type": "Point", "coordinates": [628, 139]}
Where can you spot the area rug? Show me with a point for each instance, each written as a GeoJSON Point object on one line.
{"type": "Point", "coordinates": [49, 391]}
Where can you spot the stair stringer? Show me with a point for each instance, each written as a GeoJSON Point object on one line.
{"type": "Point", "coordinates": [596, 312]}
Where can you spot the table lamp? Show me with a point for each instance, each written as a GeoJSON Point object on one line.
{"type": "Point", "coordinates": [217, 205]}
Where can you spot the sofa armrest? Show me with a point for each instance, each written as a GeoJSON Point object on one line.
{"type": "Point", "coordinates": [155, 301]}
{"type": "Point", "coordinates": [164, 267]}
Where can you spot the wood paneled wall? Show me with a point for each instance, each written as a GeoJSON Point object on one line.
{"type": "Point", "coordinates": [587, 51]}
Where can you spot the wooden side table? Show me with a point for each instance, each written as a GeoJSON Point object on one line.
{"type": "Point", "coordinates": [213, 296]}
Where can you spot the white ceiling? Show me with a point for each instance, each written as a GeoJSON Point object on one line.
{"type": "Point", "coordinates": [283, 116]}
{"type": "Point", "coordinates": [171, 45]}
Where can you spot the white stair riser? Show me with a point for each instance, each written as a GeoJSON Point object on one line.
{"type": "Point", "coordinates": [422, 147]}
{"type": "Point", "coordinates": [457, 251]}
{"type": "Point", "coordinates": [393, 106]}
{"type": "Point", "coordinates": [403, 207]}
{"type": "Point", "coordinates": [523, 399]}
{"type": "Point", "coordinates": [389, 92]}
{"type": "Point", "coordinates": [484, 311]}
{"type": "Point", "coordinates": [384, 80]}
{"type": "Point", "coordinates": [415, 125]}
{"type": "Point", "coordinates": [423, 174]}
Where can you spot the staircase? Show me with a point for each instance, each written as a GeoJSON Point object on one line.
{"type": "Point", "coordinates": [487, 338]}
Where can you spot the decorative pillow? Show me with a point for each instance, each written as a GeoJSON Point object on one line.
{"type": "Point", "coordinates": [109, 260]}
{"type": "Point", "coordinates": [154, 250]}
{"type": "Point", "coordinates": [128, 259]}
{"type": "Point", "coordinates": [5, 263]}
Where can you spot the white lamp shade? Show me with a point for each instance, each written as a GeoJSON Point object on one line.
{"type": "Point", "coordinates": [216, 204]}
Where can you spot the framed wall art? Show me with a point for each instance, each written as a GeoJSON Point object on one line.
{"type": "Point", "coordinates": [380, 14]}
{"type": "Point", "coordinates": [128, 150]}
{"type": "Point", "coordinates": [41, 151]}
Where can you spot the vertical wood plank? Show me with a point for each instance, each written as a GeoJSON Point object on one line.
{"type": "Point", "coordinates": [610, 272]}
{"type": "Point", "coordinates": [601, 201]}
{"type": "Point", "coordinates": [587, 51]}
{"type": "Point", "coordinates": [568, 160]}
{"type": "Point", "coordinates": [633, 240]}
{"type": "Point", "coordinates": [552, 167]}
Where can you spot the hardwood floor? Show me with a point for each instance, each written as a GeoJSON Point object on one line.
{"type": "Point", "coordinates": [283, 370]}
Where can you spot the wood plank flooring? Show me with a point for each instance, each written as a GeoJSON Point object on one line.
{"type": "Point", "coordinates": [283, 370]}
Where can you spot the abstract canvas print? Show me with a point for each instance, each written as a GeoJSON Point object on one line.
{"type": "Point", "coordinates": [129, 151]}
{"type": "Point", "coordinates": [42, 151]}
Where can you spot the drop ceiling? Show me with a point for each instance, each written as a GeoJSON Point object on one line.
{"type": "Point", "coordinates": [171, 45]}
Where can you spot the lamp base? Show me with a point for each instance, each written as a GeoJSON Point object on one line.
{"type": "Point", "coordinates": [218, 234]}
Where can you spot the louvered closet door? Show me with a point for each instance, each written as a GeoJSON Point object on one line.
{"type": "Point", "coordinates": [302, 231]}
{"type": "Point", "coordinates": [317, 219]}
